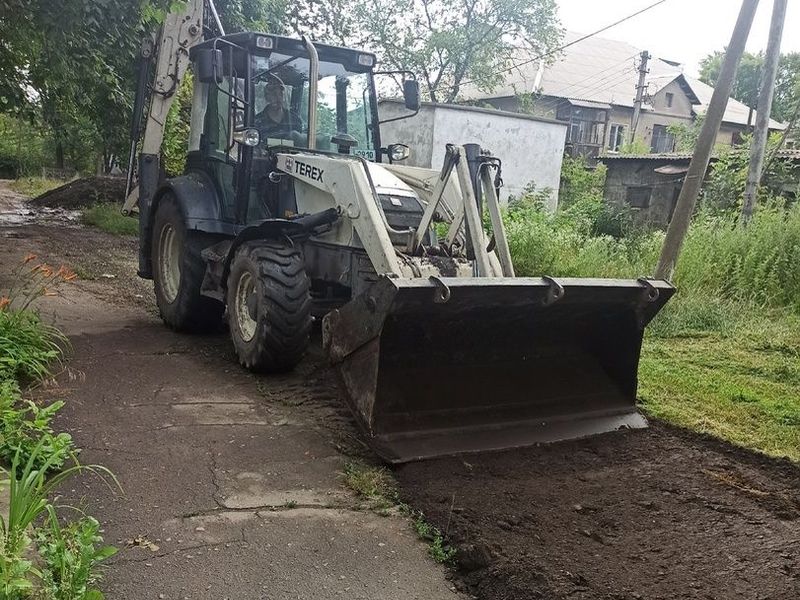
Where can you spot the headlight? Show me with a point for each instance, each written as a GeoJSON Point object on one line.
{"type": "Point", "coordinates": [248, 137]}
{"type": "Point", "coordinates": [265, 42]}
{"type": "Point", "coordinates": [366, 60]}
{"type": "Point", "coordinates": [398, 152]}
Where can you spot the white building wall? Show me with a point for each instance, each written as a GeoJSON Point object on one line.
{"type": "Point", "coordinates": [531, 148]}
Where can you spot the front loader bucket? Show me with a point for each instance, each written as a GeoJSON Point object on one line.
{"type": "Point", "coordinates": [451, 365]}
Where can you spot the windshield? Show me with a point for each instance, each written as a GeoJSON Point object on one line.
{"type": "Point", "coordinates": [344, 104]}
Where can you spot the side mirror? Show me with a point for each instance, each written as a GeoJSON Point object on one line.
{"type": "Point", "coordinates": [411, 94]}
{"type": "Point", "coordinates": [205, 63]}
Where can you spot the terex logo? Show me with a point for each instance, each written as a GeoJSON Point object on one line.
{"type": "Point", "coordinates": [307, 170]}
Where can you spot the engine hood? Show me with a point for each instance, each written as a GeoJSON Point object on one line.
{"type": "Point", "coordinates": [387, 183]}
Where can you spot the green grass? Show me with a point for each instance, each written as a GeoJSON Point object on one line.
{"type": "Point", "coordinates": [108, 218]}
{"type": "Point", "coordinates": [377, 487]}
{"type": "Point", "coordinates": [723, 357]}
{"type": "Point", "coordinates": [741, 384]}
{"type": "Point", "coordinates": [438, 549]}
{"type": "Point", "coordinates": [372, 484]}
{"type": "Point", "coordinates": [35, 186]}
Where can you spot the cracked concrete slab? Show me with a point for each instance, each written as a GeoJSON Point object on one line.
{"type": "Point", "coordinates": [304, 553]}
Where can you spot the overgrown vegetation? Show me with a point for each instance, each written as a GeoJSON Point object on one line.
{"type": "Point", "coordinates": [41, 557]}
{"type": "Point", "coordinates": [107, 217]}
{"type": "Point", "coordinates": [722, 355]}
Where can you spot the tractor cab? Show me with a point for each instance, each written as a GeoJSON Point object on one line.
{"type": "Point", "coordinates": [252, 98]}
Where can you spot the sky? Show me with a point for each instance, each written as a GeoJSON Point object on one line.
{"type": "Point", "coordinates": [680, 30]}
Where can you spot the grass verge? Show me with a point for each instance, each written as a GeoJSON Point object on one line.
{"type": "Point", "coordinates": [740, 382]}
{"type": "Point", "coordinates": [35, 186]}
{"type": "Point", "coordinates": [42, 556]}
{"type": "Point", "coordinates": [108, 218]}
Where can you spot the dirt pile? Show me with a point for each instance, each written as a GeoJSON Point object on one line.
{"type": "Point", "coordinates": [656, 514]}
{"type": "Point", "coordinates": [84, 192]}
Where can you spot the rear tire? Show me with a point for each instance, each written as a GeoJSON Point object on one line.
{"type": "Point", "coordinates": [178, 271]}
{"type": "Point", "coordinates": [269, 306]}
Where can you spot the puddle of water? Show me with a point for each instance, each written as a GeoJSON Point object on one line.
{"type": "Point", "coordinates": [15, 212]}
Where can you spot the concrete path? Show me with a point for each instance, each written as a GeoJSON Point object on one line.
{"type": "Point", "coordinates": [232, 486]}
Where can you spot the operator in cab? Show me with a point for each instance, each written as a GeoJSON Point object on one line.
{"type": "Point", "coordinates": [277, 120]}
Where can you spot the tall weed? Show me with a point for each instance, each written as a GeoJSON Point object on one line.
{"type": "Point", "coordinates": [720, 258]}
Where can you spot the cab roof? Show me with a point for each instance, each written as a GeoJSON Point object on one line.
{"type": "Point", "coordinates": [287, 45]}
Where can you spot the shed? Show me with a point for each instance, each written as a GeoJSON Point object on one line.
{"type": "Point", "coordinates": [647, 184]}
{"type": "Point", "coordinates": [531, 148]}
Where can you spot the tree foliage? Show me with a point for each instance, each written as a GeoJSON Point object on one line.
{"type": "Point", "coordinates": [446, 42]}
{"type": "Point", "coordinates": [748, 77]}
{"type": "Point", "coordinates": [70, 66]}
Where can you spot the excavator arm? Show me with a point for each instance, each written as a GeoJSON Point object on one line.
{"type": "Point", "coordinates": [163, 60]}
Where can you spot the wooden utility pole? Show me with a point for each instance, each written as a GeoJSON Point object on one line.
{"type": "Point", "coordinates": [640, 88]}
{"type": "Point", "coordinates": [679, 225]}
{"type": "Point", "coordinates": [758, 145]}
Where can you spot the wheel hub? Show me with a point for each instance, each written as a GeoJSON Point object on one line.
{"type": "Point", "coordinates": [169, 262]}
{"type": "Point", "coordinates": [246, 307]}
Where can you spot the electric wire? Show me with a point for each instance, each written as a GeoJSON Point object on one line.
{"type": "Point", "coordinates": [568, 44]}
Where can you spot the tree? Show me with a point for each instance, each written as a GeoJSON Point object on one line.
{"type": "Point", "coordinates": [73, 65]}
{"type": "Point", "coordinates": [748, 76]}
{"type": "Point", "coordinates": [446, 42]}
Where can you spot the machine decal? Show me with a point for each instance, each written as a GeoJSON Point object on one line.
{"type": "Point", "coordinates": [307, 170]}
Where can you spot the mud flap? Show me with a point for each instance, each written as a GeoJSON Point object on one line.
{"type": "Point", "coordinates": [453, 365]}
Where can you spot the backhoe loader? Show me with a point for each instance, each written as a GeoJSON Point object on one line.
{"type": "Point", "coordinates": [292, 208]}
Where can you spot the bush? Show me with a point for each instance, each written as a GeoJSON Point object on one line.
{"type": "Point", "coordinates": [27, 345]}
{"type": "Point", "coordinates": [71, 556]}
{"type": "Point", "coordinates": [176, 130]}
{"type": "Point", "coordinates": [24, 426]}
{"type": "Point", "coordinates": [108, 217]}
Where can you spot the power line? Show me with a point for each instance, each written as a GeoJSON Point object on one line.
{"type": "Point", "coordinates": [572, 43]}
{"type": "Point", "coordinates": [580, 91]}
{"type": "Point", "coordinates": [597, 77]}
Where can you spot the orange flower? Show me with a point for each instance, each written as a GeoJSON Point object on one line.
{"type": "Point", "coordinates": [4, 302]}
{"type": "Point", "coordinates": [31, 256]}
{"type": "Point", "coordinates": [66, 273]}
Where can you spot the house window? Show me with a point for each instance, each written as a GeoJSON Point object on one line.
{"type": "Point", "coordinates": [638, 196]}
{"type": "Point", "coordinates": [616, 137]}
{"type": "Point", "coordinates": [587, 126]}
{"type": "Point", "coordinates": [663, 140]}
{"type": "Point", "coordinates": [670, 97]}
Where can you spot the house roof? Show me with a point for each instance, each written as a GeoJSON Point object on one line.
{"type": "Point", "coordinates": [603, 71]}
{"type": "Point", "coordinates": [785, 153]}
{"type": "Point", "coordinates": [655, 156]}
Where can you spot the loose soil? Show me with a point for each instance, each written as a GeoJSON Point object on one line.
{"type": "Point", "coordinates": [84, 192]}
{"type": "Point", "coordinates": [658, 514]}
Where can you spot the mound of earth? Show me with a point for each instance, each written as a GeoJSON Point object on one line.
{"type": "Point", "coordinates": [657, 514]}
{"type": "Point", "coordinates": [84, 192]}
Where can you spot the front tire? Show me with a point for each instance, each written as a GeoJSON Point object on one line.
{"type": "Point", "coordinates": [178, 271]}
{"type": "Point", "coordinates": [269, 306]}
